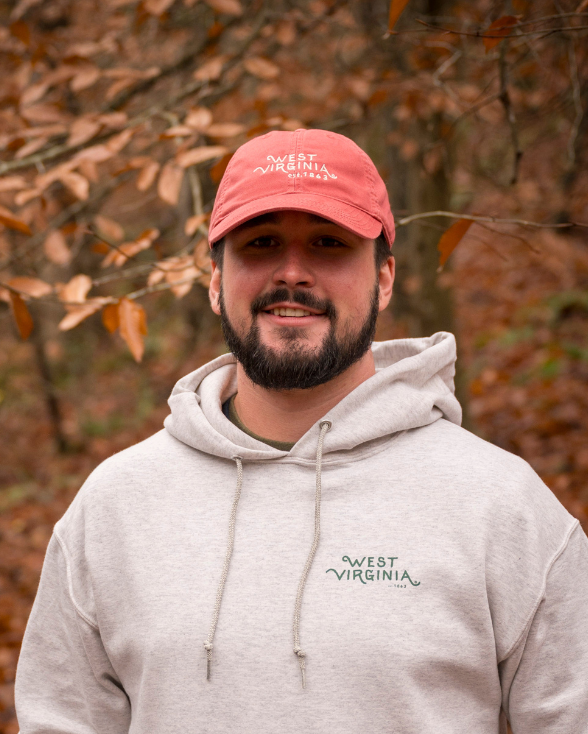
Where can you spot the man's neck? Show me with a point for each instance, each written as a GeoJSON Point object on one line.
{"type": "Point", "coordinates": [286, 415]}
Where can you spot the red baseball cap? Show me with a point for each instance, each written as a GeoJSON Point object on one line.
{"type": "Point", "coordinates": [312, 171]}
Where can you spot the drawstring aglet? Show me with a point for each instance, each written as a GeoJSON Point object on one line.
{"type": "Point", "coordinates": [208, 648]}
{"type": "Point", "coordinates": [300, 654]}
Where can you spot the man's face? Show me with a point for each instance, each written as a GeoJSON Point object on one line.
{"type": "Point", "coordinates": [298, 298]}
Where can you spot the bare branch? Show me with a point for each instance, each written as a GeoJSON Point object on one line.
{"type": "Point", "coordinates": [63, 217]}
{"type": "Point", "coordinates": [493, 220]}
{"type": "Point", "coordinates": [482, 34]}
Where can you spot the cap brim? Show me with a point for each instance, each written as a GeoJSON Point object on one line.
{"type": "Point", "coordinates": [347, 216]}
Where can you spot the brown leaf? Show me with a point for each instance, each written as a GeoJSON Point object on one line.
{"type": "Point", "coordinates": [12, 183]}
{"type": "Point", "coordinates": [117, 87]}
{"type": "Point", "coordinates": [127, 72]}
{"type": "Point", "coordinates": [76, 290]}
{"type": "Point", "coordinates": [34, 287]}
{"type": "Point", "coordinates": [132, 326]}
{"type": "Point", "coordinates": [82, 130]}
{"type": "Point", "coordinates": [210, 70]}
{"type": "Point", "coordinates": [181, 271]}
{"type": "Point", "coordinates": [396, 8]}
{"type": "Point", "coordinates": [225, 129]}
{"type": "Point", "coordinates": [33, 93]}
{"type": "Point", "coordinates": [19, 29]}
{"type": "Point", "coordinates": [101, 248]}
{"type": "Point", "coordinates": [8, 219]}
{"type": "Point", "coordinates": [89, 170]}
{"type": "Point", "coordinates": [229, 7]}
{"type": "Point", "coordinates": [77, 184]}
{"type": "Point", "coordinates": [170, 183]}
{"type": "Point", "coordinates": [45, 179]}
{"type": "Point", "coordinates": [147, 175]}
{"type": "Point", "coordinates": [157, 7]}
{"type": "Point", "coordinates": [43, 131]}
{"type": "Point", "coordinates": [84, 78]}
{"type": "Point", "coordinates": [218, 170]}
{"type": "Point", "coordinates": [127, 250]}
{"type": "Point", "coordinates": [113, 119]}
{"type": "Point", "coordinates": [23, 197]}
{"type": "Point", "coordinates": [138, 161]}
{"type": "Point", "coordinates": [261, 68]}
{"type": "Point", "coordinates": [31, 147]}
{"type": "Point", "coordinates": [194, 222]}
{"type": "Point", "coordinates": [198, 118]}
{"type": "Point", "coordinates": [155, 276]}
{"type": "Point", "coordinates": [178, 131]}
{"type": "Point", "coordinates": [109, 228]}
{"type": "Point", "coordinates": [76, 314]}
{"type": "Point", "coordinates": [501, 27]}
{"type": "Point", "coordinates": [118, 142]}
{"type": "Point", "coordinates": [43, 114]}
{"type": "Point", "coordinates": [451, 238]}
{"type": "Point", "coordinates": [21, 315]}
{"type": "Point", "coordinates": [56, 249]}
{"type": "Point", "coordinates": [201, 255]}
{"type": "Point", "coordinates": [110, 317]}
{"type": "Point", "coordinates": [201, 154]}
{"type": "Point", "coordinates": [96, 153]}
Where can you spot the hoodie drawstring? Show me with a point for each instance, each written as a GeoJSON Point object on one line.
{"type": "Point", "coordinates": [324, 427]}
{"type": "Point", "coordinates": [225, 573]}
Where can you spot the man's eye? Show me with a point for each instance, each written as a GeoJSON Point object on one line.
{"type": "Point", "coordinates": [329, 242]}
{"type": "Point", "coordinates": [263, 242]}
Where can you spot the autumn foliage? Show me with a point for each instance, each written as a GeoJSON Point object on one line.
{"type": "Point", "coordinates": [118, 119]}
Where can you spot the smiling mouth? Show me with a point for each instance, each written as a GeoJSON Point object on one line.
{"type": "Point", "coordinates": [296, 312]}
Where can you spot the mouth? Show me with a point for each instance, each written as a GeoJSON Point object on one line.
{"type": "Point", "coordinates": [292, 313]}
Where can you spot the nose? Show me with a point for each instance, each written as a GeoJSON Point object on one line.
{"type": "Point", "coordinates": [293, 270]}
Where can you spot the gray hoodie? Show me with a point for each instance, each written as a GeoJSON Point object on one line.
{"type": "Point", "coordinates": [448, 587]}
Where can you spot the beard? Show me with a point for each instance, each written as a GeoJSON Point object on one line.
{"type": "Point", "coordinates": [297, 367]}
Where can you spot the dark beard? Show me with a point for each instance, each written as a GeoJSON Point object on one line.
{"type": "Point", "coordinates": [297, 368]}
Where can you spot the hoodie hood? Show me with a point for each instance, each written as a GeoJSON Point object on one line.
{"type": "Point", "coordinates": [413, 386]}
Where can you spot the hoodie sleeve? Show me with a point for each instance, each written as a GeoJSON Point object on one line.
{"type": "Point", "coordinates": [545, 677]}
{"type": "Point", "coordinates": [65, 683]}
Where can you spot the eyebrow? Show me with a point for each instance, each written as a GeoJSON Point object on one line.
{"type": "Point", "coordinates": [274, 218]}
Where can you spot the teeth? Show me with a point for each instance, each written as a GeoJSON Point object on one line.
{"type": "Point", "coordinates": [299, 312]}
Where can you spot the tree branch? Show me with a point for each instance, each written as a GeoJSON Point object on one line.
{"type": "Point", "coordinates": [63, 149]}
{"type": "Point", "coordinates": [493, 220]}
{"type": "Point", "coordinates": [482, 34]}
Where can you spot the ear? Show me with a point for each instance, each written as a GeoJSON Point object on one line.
{"type": "Point", "coordinates": [214, 289]}
{"type": "Point", "coordinates": [386, 281]}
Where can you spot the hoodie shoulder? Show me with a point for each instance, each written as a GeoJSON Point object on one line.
{"type": "Point", "coordinates": [485, 468]}
{"type": "Point", "coordinates": [128, 476]}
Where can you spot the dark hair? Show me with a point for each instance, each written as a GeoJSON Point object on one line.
{"type": "Point", "coordinates": [381, 251]}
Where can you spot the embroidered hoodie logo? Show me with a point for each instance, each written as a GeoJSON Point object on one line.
{"type": "Point", "coordinates": [380, 568]}
{"type": "Point", "coordinates": [301, 165]}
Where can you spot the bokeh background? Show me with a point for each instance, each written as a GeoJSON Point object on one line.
{"type": "Point", "coordinates": [117, 121]}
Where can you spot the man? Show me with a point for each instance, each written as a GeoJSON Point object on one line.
{"type": "Point", "coordinates": [352, 560]}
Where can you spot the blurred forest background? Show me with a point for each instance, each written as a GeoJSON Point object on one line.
{"type": "Point", "coordinates": [117, 120]}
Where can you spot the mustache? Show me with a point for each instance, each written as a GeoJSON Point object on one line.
{"type": "Point", "coordinates": [302, 298]}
